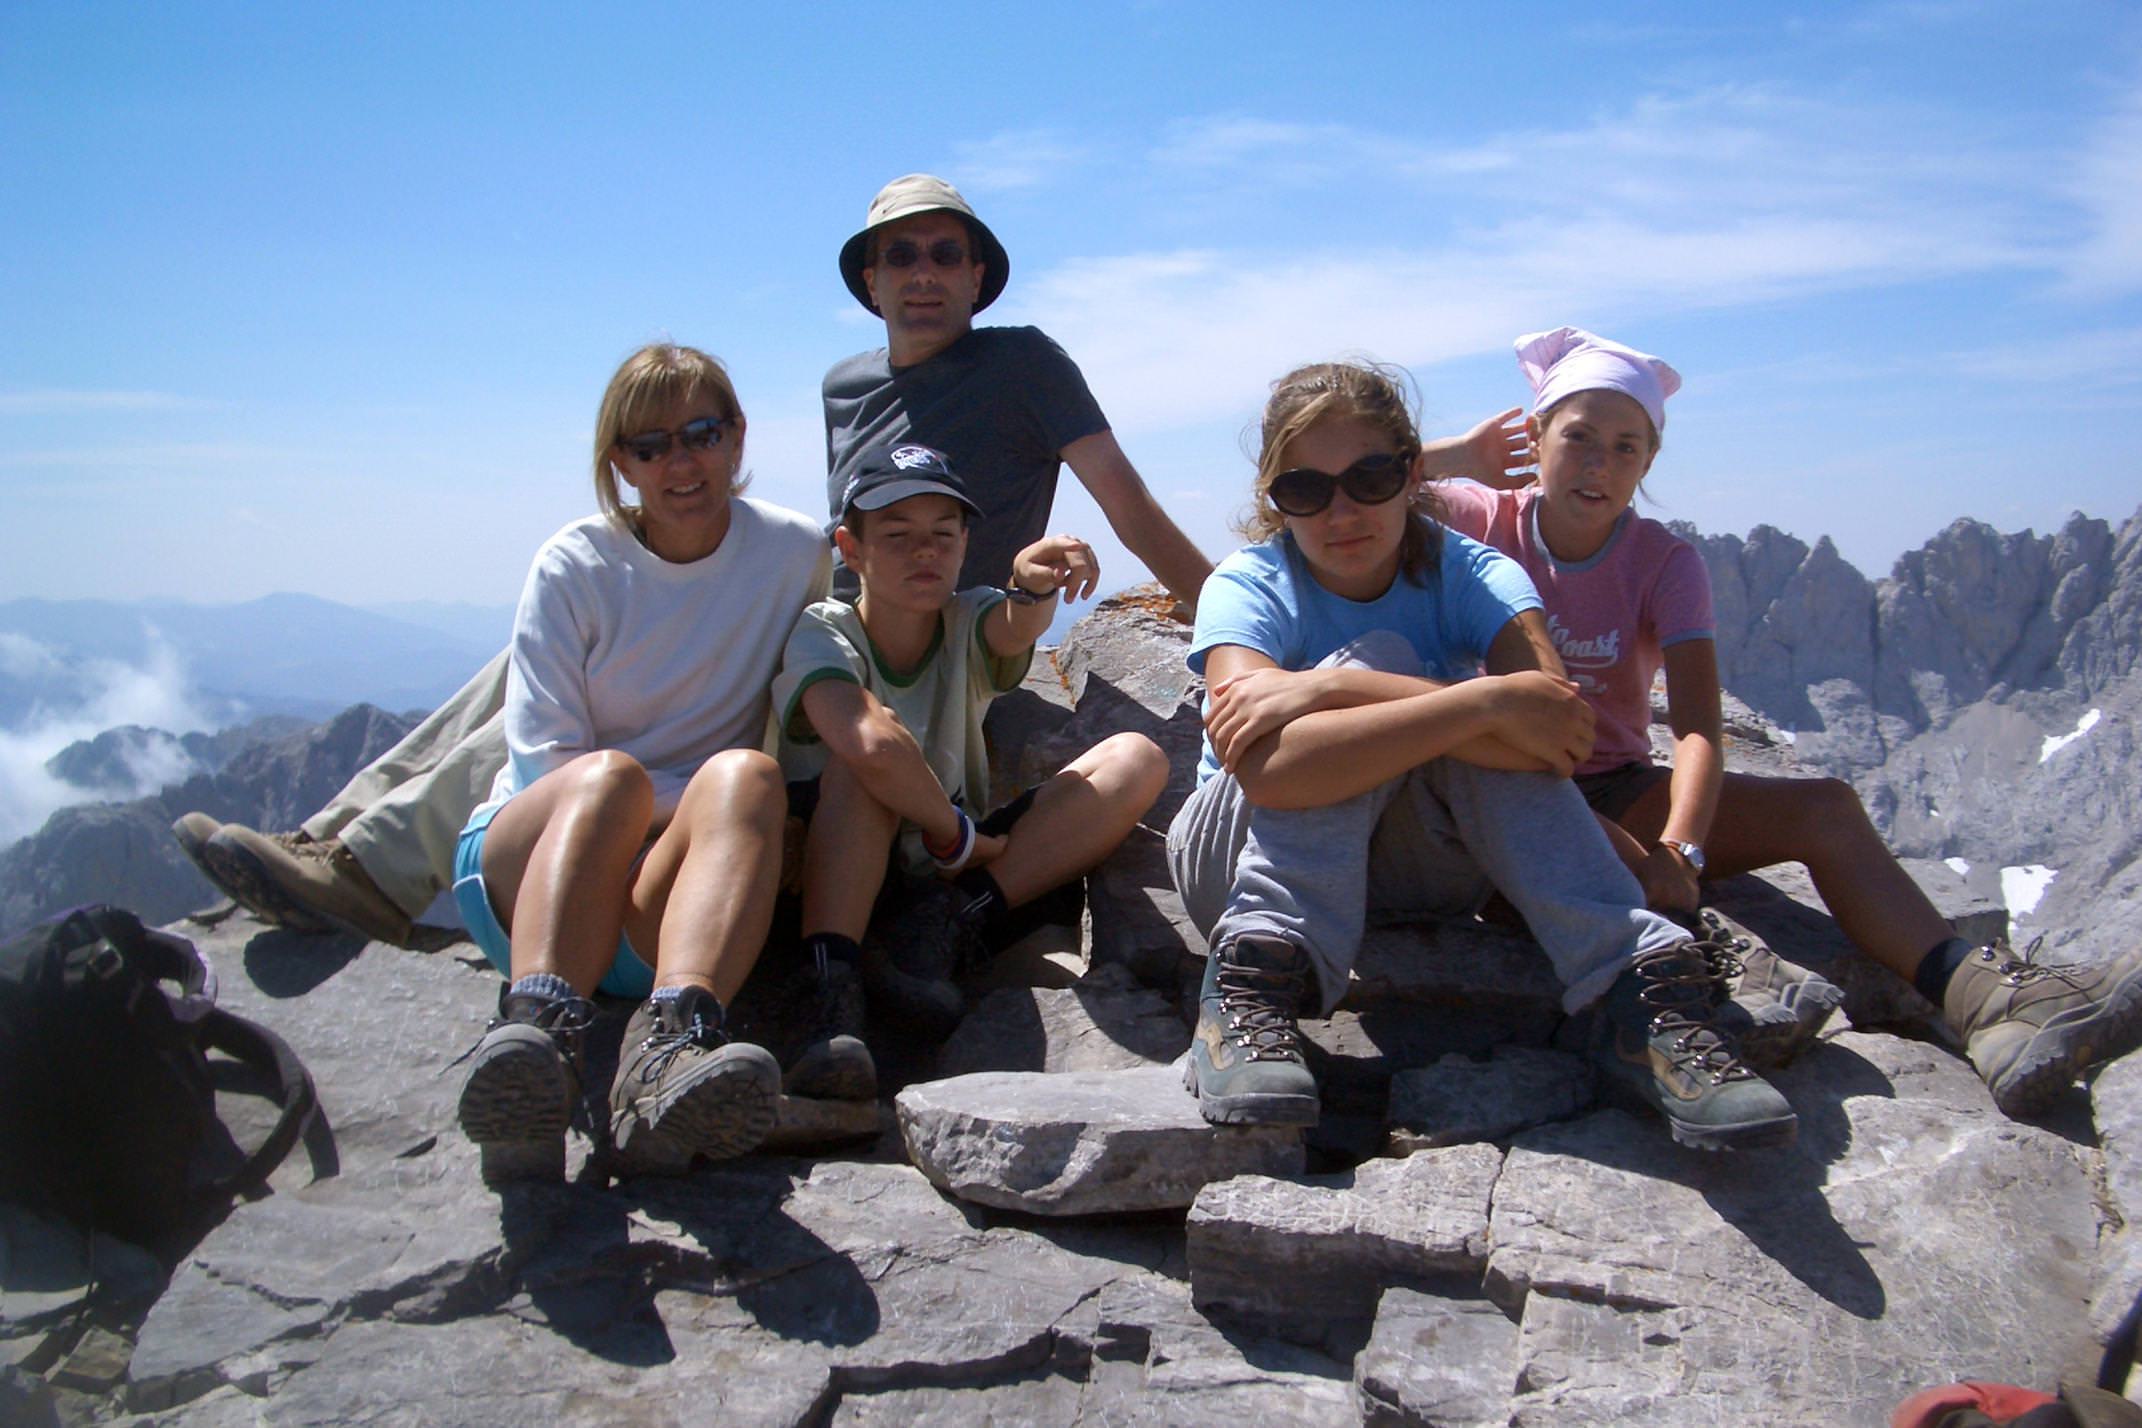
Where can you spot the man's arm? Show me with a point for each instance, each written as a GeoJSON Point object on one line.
{"type": "Point", "coordinates": [1137, 519]}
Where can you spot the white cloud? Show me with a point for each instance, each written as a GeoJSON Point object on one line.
{"type": "Point", "coordinates": [2108, 185]}
{"type": "Point", "coordinates": [1014, 159]}
{"type": "Point", "coordinates": [2106, 358]}
{"type": "Point", "coordinates": [1719, 199]}
{"type": "Point", "coordinates": [155, 695]}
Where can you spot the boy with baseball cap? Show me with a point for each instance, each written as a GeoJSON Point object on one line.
{"type": "Point", "coordinates": [880, 704]}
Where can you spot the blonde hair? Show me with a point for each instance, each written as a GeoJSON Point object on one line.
{"type": "Point", "coordinates": [648, 385]}
{"type": "Point", "coordinates": [1370, 392]}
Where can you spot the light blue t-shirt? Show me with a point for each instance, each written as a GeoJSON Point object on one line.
{"type": "Point", "coordinates": [1264, 598]}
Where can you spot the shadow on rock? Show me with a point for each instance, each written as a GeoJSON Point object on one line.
{"type": "Point", "coordinates": [567, 1253]}
{"type": "Point", "coordinates": [728, 1232]}
{"type": "Point", "coordinates": [286, 964]}
{"type": "Point", "coordinates": [1818, 1084]}
{"type": "Point", "coordinates": [1772, 1197]}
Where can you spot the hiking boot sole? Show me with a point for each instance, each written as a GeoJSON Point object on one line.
{"type": "Point", "coordinates": [232, 866]}
{"type": "Point", "coordinates": [2065, 1047]}
{"type": "Point", "coordinates": [724, 1110]}
{"type": "Point", "coordinates": [1784, 1027]}
{"type": "Point", "coordinates": [1250, 1108]}
{"type": "Point", "coordinates": [516, 1105]}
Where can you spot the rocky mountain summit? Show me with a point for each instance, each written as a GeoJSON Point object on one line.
{"type": "Point", "coordinates": [1037, 1226]}
{"type": "Point", "coordinates": [1983, 699]}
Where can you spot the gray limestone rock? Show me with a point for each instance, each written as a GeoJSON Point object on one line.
{"type": "Point", "coordinates": [1080, 1143]}
{"type": "Point", "coordinates": [1437, 1363]}
{"type": "Point", "coordinates": [1138, 917]}
{"type": "Point", "coordinates": [1106, 1022]}
{"type": "Point", "coordinates": [1460, 1099]}
{"type": "Point", "coordinates": [1297, 1253]}
{"type": "Point", "coordinates": [1913, 1236]}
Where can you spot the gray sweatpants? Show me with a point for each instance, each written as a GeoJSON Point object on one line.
{"type": "Point", "coordinates": [402, 813]}
{"type": "Point", "coordinates": [1426, 844]}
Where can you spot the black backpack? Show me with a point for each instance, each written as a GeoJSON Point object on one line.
{"type": "Point", "coordinates": [107, 1104]}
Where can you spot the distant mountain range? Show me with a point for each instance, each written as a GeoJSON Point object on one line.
{"type": "Point", "coordinates": [280, 654]}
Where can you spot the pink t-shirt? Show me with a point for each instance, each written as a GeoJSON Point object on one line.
{"type": "Point", "coordinates": [1611, 617]}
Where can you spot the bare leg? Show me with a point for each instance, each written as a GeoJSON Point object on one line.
{"type": "Point", "coordinates": [704, 896]}
{"type": "Point", "coordinates": [558, 861]}
{"type": "Point", "coordinates": [1080, 815]}
{"type": "Point", "coordinates": [1821, 823]}
{"type": "Point", "coordinates": [844, 855]}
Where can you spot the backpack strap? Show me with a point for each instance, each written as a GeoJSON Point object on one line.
{"type": "Point", "coordinates": [264, 1051]}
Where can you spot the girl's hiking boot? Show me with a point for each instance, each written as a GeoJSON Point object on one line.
{"type": "Point", "coordinates": [523, 1082]}
{"type": "Point", "coordinates": [1657, 1043]}
{"type": "Point", "coordinates": [684, 1089]}
{"type": "Point", "coordinates": [834, 1065]}
{"type": "Point", "coordinates": [2031, 1027]}
{"type": "Point", "coordinates": [1245, 1061]}
{"type": "Point", "coordinates": [1774, 1009]}
{"type": "Point", "coordinates": [311, 885]}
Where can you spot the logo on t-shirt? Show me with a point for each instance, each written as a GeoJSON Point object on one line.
{"type": "Point", "coordinates": [1600, 652]}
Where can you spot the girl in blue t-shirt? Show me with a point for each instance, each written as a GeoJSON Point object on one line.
{"type": "Point", "coordinates": [1351, 764]}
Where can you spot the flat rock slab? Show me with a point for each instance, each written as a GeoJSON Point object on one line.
{"type": "Point", "coordinates": [2116, 1097]}
{"type": "Point", "coordinates": [1461, 1099]}
{"type": "Point", "coordinates": [1437, 1362]}
{"type": "Point", "coordinates": [1093, 1142]}
{"type": "Point", "coordinates": [1913, 1236]}
{"type": "Point", "coordinates": [1105, 1023]}
{"type": "Point", "coordinates": [1499, 975]}
{"type": "Point", "coordinates": [1303, 1251]}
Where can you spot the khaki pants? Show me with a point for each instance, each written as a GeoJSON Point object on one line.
{"type": "Point", "coordinates": [402, 813]}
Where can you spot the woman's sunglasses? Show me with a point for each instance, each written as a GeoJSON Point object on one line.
{"type": "Point", "coordinates": [701, 435]}
{"type": "Point", "coordinates": [1371, 481]}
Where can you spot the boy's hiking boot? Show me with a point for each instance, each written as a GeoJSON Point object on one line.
{"type": "Point", "coordinates": [684, 1089]}
{"type": "Point", "coordinates": [1245, 1061]}
{"type": "Point", "coordinates": [523, 1082]}
{"type": "Point", "coordinates": [834, 1065]}
{"type": "Point", "coordinates": [1656, 1043]}
{"type": "Point", "coordinates": [1774, 1009]}
{"type": "Point", "coordinates": [2032, 1027]}
{"type": "Point", "coordinates": [920, 940]}
{"type": "Point", "coordinates": [293, 880]}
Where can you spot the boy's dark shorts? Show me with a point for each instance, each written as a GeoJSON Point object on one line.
{"type": "Point", "coordinates": [803, 802]}
{"type": "Point", "coordinates": [1611, 792]}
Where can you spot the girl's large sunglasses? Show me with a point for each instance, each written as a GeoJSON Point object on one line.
{"type": "Point", "coordinates": [701, 435]}
{"type": "Point", "coordinates": [1371, 481]}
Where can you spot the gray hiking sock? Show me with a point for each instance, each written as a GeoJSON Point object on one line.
{"type": "Point", "coordinates": [548, 985]}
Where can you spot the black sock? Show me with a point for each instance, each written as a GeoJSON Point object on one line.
{"type": "Point", "coordinates": [825, 948]}
{"type": "Point", "coordinates": [1937, 966]}
{"type": "Point", "coordinates": [985, 901]}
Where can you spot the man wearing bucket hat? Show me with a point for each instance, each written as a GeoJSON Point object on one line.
{"type": "Point", "coordinates": [1006, 404]}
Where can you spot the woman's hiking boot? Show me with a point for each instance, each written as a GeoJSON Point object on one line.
{"type": "Point", "coordinates": [1245, 1062]}
{"type": "Point", "coordinates": [834, 1064]}
{"type": "Point", "coordinates": [2031, 1027]}
{"type": "Point", "coordinates": [1657, 1043]}
{"type": "Point", "coordinates": [1774, 1009]}
{"type": "Point", "coordinates": [684, 1089]}
{"type": "Point", "coordinates": [523, 1082]}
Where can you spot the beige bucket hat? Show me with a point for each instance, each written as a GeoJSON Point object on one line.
{"type": "Point", "coordinates": [924, 193]}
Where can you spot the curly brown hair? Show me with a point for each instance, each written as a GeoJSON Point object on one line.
{"type": "Point", "coordinates": [1370, 391]}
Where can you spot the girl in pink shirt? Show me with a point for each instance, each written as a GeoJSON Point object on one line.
{"type": "Point", "coordinates": [1623, 597]}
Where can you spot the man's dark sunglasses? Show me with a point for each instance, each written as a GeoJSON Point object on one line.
{"type": "Point", "coordinates": [701, 435]}
{"type": "Point", "coordinates": [1371, 481]}
{"type": "Point", "coordinates": [944, 253]}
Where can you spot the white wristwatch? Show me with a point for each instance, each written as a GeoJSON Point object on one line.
{"type": "Point", "coordinates": [1691, 851]}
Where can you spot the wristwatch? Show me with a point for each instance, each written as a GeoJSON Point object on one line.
{"type": "Point", "coordinates": [1691, 851]}
{"type": "Point", "coordinates": [1020, 595]}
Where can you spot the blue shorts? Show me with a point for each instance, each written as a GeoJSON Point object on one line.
{"type": "Point", "coordinates": [628, 975]}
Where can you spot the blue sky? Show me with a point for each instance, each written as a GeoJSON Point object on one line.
{"type": "Point", "coordinates": [305, 299]}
